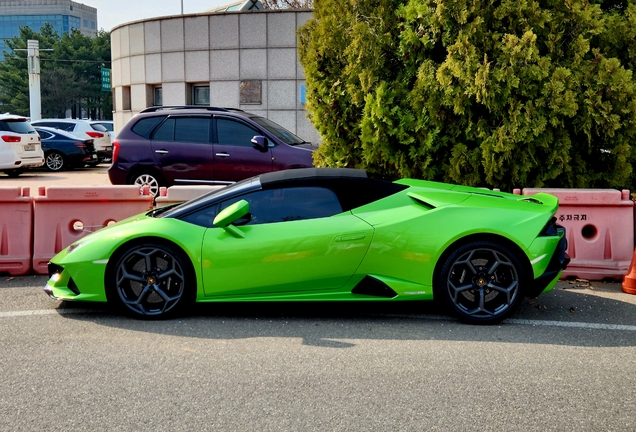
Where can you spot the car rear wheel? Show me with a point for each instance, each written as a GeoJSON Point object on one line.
{"type": "Point", "coordinates": [483, 282]}
{"type": "Point", "coordinates": [54, 161]}
{"type": "Point", "coordinates": [150, 179]}
{"type": "Point", "coordinates": [150, 280]}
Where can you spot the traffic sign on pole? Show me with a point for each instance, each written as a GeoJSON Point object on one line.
{"type": "Point", "coordinates": [105, 79]}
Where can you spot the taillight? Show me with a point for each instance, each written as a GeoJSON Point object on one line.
{"type": "Point", "coordinates": [115, 150]}
{"type": "Point", "coordinates": [11, 138]}
{"type": "Point", "coordinates": [80, 144]}
{"type": "Point", "coordinates": [95, 134]}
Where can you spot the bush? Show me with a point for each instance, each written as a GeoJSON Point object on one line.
{"type": "Point", "coordinates": [503, 94]}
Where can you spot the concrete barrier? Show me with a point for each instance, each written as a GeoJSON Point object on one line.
{"type": "Point", "coordinates": [177, 194]}
{"type": "Point", "coordinates": [62, 215]}
{"type": "Point", "coordinates": [600, 230]}
{"type": "Point", "coordinates": [16, 230]}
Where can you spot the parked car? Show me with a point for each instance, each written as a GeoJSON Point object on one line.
{"type": "Point", "coordinates": [63, 150]}
{"type": "Point", "coordinates": [108, 124]}
{"type": "Point", "coordinates": [323, 234]}
{"type": "Point", "coordinates": [83, 129]}
{"type": "Point", "coordinates": [20, 146]}
{"type": "Point", "coordinates": [163, 146]}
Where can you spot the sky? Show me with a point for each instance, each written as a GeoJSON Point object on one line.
{"type": "Point", "coordinates": [111, 13]}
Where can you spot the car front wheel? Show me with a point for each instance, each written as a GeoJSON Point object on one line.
{"type": "Point", "coordinates": [483, 282]}
{"type": "Point", "coordinates": [150, 280]}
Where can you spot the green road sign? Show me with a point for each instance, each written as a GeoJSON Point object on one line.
{"type": "Point", "coordinates": [105, 79]}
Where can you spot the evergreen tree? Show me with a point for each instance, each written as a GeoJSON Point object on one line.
{"type": "Point", "coordinates": [500, 93]}
{"type": "Point", "coordinates": [70, 74]}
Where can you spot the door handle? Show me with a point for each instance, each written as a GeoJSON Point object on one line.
{"type": "Point", "coordinates": [223, 155]}
{"type": "Point", "coordinates": [162, 151]}
{"type": "Point", "coordinates": [351, 237]}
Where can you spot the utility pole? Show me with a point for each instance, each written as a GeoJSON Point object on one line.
{"type": "Point", "coordinates": [33, 66]}
{"type": "Point", "coordinates": [181, 7]}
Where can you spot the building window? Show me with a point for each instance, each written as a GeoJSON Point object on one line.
{"type": "Point", "coordinates": [93, 25]}
{"type": "Point", "coordinates": [85, 23]}
{"type": "Point", "coordinates": [201, 95]}
{"type": "Point", "coordinates": [158, 96]}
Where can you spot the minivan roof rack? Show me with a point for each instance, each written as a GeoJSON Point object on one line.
{"type": "Point", "coordinates": [186, 107]}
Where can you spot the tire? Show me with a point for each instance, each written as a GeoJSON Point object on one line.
{"type": "Point", "coordinates": [14, 172]}
{"type": "Point", "coordinates": [150, 280]}
{"type": "Point", "coordinates": [483, 282]}
{"type": "Point", "coordinates": [149, 178]}
{"type": "Point", "coordinates": [54, 161]}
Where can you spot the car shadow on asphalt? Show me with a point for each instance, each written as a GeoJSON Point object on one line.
{"type": "Point", "coordinates": [563, 317]}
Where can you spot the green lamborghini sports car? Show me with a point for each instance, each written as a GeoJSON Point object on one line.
{"type": "Point", "coordinates": [323, 234]}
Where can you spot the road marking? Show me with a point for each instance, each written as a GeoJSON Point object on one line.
{"type": "Point", "coordinates": [595, 326]}
{"type": "Point", "coordinates": [46, 312]}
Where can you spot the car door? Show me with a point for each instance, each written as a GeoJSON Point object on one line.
{"type": "Point", "coordinates": [298, 239]}
{"type": "Point", "coordinates": [235, 157]}
{"type": "Point", "coordinates": [183, 150]}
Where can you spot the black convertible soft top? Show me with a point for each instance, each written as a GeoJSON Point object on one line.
{"type": "Point", "coordinates": [352, 186]}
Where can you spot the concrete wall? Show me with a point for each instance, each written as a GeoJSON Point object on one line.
{"type": "Point", "coordinates": [219, 50]}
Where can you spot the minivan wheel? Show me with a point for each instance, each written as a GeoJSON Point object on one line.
{"type": "Point", "coordinates": [147, 178]}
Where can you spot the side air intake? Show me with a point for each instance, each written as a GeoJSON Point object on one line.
{"type": "Point", "coordinates": [373, 287]}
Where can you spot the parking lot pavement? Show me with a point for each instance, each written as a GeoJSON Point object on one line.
{"type": "Point", "coordinates": [33, 179]}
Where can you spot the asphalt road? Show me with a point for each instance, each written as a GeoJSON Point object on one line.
{"type": "Point", "coordinates": [564, 362]}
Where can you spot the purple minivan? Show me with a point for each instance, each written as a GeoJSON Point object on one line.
{"type": "Point", "coordinates": [169, 145]}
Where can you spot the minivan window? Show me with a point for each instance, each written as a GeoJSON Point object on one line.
{"type": "Point", "coordinates": [230, 132]}
{"type": "Point", "coordinates": [17, 126]}
{"type": "Point", "coordinates": [185, 129]}
{"type": "Point", "coordinates": [145, 126]}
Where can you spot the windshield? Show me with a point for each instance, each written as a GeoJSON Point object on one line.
{"type": "Point", "coordinates": [278, 131]}
{"type": "Point", "coordinates": [185, 207]}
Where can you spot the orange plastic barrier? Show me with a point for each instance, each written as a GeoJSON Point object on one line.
{"type": "Point", "coordinates": [62, 215]}
{"type": "Point", "coordinates": [177, 194]}
{"type": "Point", "coordinates": [600, 231]}
{"type": "Point", "coordinates": [16, 225]}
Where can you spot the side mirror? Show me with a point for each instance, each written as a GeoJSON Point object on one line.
{"type": "Point", "coordinates": [260, 142]}
{"type": "Point", "coordinates": [230, 214]}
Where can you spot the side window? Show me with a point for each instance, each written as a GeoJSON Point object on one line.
{"type": "Point", "coordinates": [145, 126]}
{"type": "Point", "coordinates": [68, 127]}
{"type": "Point", "coordinates": [165, 131]}
{"type": "Point", "coordinates": [289, 204]}
{"type": "Point", "coordinates": [231, 132]}
{"type": "Point", "coordinates": [192, 130]}
{"type": "Point", "coordinates": [184, 129]}
{"type": "Point", "coordinates": [44, 135]}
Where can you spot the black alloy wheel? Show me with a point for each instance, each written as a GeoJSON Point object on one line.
{"type": "Point", "coordinates": [483, 282]}
{"type": "Point", "coordinates": [150, 280]}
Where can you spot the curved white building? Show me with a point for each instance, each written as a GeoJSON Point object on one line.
{"type": "Point", "coordinates": [245, 60]}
